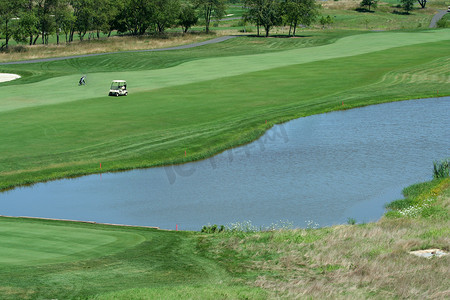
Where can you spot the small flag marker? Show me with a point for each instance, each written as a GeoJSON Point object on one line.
{"type": "Point", "coordinates": [100, 165]}
{"type": "Point", "coordinates": [176, 227]}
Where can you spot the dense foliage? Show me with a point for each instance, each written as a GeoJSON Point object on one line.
{"type": "Point", "coordinates": [29, 21]}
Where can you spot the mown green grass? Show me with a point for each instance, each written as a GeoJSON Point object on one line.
{"type": "Point", "coordinates": [50, 243]}
{"type": "Point", "coordinates": [204, 106]}
{"type": "Point", "coordinates": [93, 259]}
{"type": "Point", "coordinates": [158, 60]}
{"type": "Point", "coordinates": [380, 19]}
{"type": "Point", "coordinates": [199, 292]}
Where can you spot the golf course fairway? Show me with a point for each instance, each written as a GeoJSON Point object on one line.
{"type": "Point", "coordinates": [63, 89]}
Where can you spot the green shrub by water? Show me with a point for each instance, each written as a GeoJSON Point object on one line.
{"type": "Point", "coordinates": [441, 169]}
{"type": "Point", "coordinates": [213, 228]}
{"type": "Point", "coordinates": [351, 221]}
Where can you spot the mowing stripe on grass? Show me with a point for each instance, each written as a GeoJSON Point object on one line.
{"type": "Point", "coordinates": [64, 89]}
{"type": "Point", "coordinates": [46, 243]}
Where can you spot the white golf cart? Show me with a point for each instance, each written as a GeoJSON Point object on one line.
{"type": "Point", "coordinates": [118, 88]}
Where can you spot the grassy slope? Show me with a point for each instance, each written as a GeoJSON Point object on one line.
{"type": "Point", "coordinates": [347, 261]}
{"type": "Point", "coordinates": [120, 258]}
{"type": "Point", "coordinates": [169, 112]}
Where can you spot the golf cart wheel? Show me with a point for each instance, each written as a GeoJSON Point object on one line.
{"type": "Point", "coordinates": [117, 94]}
{"type": "Point", "coordinates": [126, 94]}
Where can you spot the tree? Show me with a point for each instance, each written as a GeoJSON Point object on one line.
{"type": "Point", "coordinates": [28, 26]}
{"type": "Point", "coordinates": [46, 18]}
{"type": "Point", "coordinates": [117, 20]}
{"type": "Point", "coordinates": [299, 12]}
{"type": "Point", "coordinates": [105, 10]}
{"type": "Point", "coordinates": [83, 11]}
{"type": "Point", "coordinates": [265, 13]}
{"type": "Point", "coordinates": [8, 11]}
{"type": "Point", "coordinates": [422, 3]}
{"type": "Point", "coordinates": [136, 16]}
{"type": "Point", "coordinates": [64, 18]}
{"type": "Point", "coordinates": [28, 23]}
{"type": "Point", "coordinates": [369, 3]}
{"type": "Point", "coordinates": [187, 18]}
{"type": "Point", "coordinates": [325, 21]}
{"type": "Point", "coordinates": [270, 15]}
{"type": "Point", "coordinates": [209, 9]}
{"type": "Point", "coordinates": [166, 13]}
{"type": "Point", "coordinates": [253, 12]}
{"type": "Point", "coordinates": [407, 5]}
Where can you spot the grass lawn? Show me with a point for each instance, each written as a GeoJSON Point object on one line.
{"type": "Point", "coordinates": [52, 243]}
{"type": "Point", "coordinates": [53, 259]}
{"type": "Point", "coordinates": [54, 128]}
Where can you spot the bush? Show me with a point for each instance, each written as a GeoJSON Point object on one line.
{"type": "Point", "coordinates": [443, 23]}
{"type": "Point", "coordinates": [15, 49]}
{"type": "Point", "coordinates": [400, 204]}
{"type": "Point", "coordinates": [441, 169]}
{"type": "Point", "coordinates": [213, 228]}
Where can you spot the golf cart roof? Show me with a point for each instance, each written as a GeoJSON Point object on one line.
{"type": "Point", "coordinates": [119, 81]}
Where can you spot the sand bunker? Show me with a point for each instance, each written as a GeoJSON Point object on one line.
{"type": "Point", "coordinates": [8, 77]}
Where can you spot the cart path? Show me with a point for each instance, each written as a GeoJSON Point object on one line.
{"type": "Point", "coordinates": [212, 41]}
{"type": "Point", "coordinates": [437, 17]}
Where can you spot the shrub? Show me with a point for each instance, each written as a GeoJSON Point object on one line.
{"type": "Point", "coordinates": [213, 228]}
{"type": "Point", "coordinates": [443, 23]}
{"type": "Point", "coordinates": [400, 204]}
{"type": "Point", "coordinates": [441, 169]}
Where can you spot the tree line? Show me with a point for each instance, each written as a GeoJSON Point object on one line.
{"type": "Point", "coordinates": [407, 5]}
{"type": "Point", "coordinates": [34, 21]}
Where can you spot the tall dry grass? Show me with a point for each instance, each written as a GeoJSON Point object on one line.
{"type": "Point", "coordinates": [361, 262]}
{"type": "Point", "coordinates": [112, 44]}
{"type": "Point", "coordinates": [341, 4]}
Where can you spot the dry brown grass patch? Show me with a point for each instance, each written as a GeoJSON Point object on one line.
{"type": "Point", "coordinates": [341, 4]}
{"type": "Point", "coordinates": [112, 44]}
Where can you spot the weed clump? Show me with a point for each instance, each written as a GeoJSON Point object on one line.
{"type": "Point", "coordinates": [441, 169]}
{"type": "Point", "coordinates": [213, 228]}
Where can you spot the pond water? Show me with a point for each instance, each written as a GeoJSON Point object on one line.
{"type": "Point", "coordinates": [323, 168]}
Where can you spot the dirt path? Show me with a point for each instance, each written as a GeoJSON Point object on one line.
{"type": "Point", "coordinates": [436, 18]}
{"type": "Point", "coordinates": [213, 41]}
